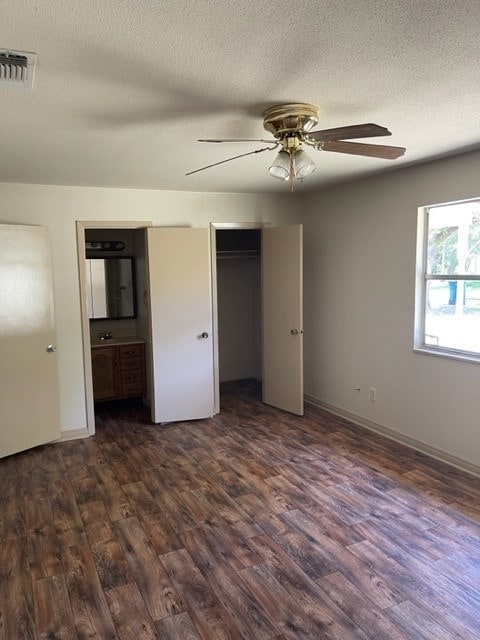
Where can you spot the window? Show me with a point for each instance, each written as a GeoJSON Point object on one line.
{"type": "Point", "coordinates": [449, 297]}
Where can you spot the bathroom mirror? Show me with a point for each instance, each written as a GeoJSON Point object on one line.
{"type": "Point", "coordinates": [111, 288]}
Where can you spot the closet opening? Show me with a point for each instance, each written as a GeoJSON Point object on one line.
{"type": "Point", "coordinates": [239, 305]}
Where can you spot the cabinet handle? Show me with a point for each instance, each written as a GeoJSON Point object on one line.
{"type": "Point", "coordinates": [115, 362]}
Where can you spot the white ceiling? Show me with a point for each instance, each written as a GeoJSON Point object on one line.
{"type": "Point", "coordinates": [123, 90]}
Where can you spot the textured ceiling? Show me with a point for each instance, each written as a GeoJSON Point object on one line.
{"type": "Point", "coordinates": [123, 90]}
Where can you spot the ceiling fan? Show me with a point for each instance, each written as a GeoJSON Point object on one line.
{"type": "Point", "coordinates": [291, 126]}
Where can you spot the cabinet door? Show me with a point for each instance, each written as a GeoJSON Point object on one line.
{"type": "Point", "coordinates": [105, 373]}
{"type": "Point", "coordinates": [282, 292]}
{"type": "Point", "coordinates": [181, 323]}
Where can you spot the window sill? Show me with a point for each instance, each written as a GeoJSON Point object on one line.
{"type": "Point", "coordinates": [449, 354]}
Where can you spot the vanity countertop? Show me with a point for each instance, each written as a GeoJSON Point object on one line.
{"type": "Point", "coordinates": [96, 342]}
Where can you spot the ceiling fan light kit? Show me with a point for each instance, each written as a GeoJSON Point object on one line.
{"type": "Point", "coordinates": [281, 166]}
{"type": "Point", "coordinates": [292, 165]}
{"type": "Point", "coordinates": [304, 165]}
{"type": "Point", "coordinates": [291, 126]}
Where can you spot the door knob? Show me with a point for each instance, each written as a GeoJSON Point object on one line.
{"type": "Point", "coordinates": [204, 334]}
{"type": "Point", "coordinates": [294, 332]}
{"type": "Point", "coordinates": [51, 348]}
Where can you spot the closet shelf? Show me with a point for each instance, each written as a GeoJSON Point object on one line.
{"type": "Point", "coordinates": [241, 254]}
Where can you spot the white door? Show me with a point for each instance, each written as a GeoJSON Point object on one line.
{"type": "Point", "coordinates": [181, 323]}
{"type": "Point", "coordinates": [282, 291]}
{"type": "Point", "coordinates": [29, 401]}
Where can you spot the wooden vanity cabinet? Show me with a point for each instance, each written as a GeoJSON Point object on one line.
{"type": "Point", "coordinates": [118, 371]}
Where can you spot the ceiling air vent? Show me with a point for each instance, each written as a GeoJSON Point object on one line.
{"type": "Point", "coordinates": [16, 69]}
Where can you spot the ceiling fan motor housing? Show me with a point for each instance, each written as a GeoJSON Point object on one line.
{"type": "Point", "coordinates": [289, 119]}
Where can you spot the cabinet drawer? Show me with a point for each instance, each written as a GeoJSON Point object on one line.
{"type": "Point", "coordinates": [130, 350]}
{"type": "Point", "coordinates": [130, 364]}
{"type": "Point", "coordinates": [132, 376]}
{"type": "Point", "coordinates": [134, 389]}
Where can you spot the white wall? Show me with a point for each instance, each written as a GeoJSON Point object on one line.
{"type": "Point", "coordinates": [59, 207]}
{"type": "Point", "coordinates": [360, 241]}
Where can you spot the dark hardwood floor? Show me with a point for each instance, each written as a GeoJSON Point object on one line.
{"type": "Point", "coordinates": [254, 524]}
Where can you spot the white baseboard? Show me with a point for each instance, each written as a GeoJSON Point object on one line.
{"type": "Point", "coordinates": [73, 434]}
{"type": "Point", "coordinates": [408, 441]}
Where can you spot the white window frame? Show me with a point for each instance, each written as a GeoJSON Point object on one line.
{"type": "Point", "coordinates": [421, 280]}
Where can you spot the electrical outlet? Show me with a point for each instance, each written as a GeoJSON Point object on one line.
{"type": "Point", "coordinates": [373, 394]}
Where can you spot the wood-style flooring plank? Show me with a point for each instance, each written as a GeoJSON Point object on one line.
{"type": "Point", "coordinates": [91, 614]}
{"type": "Point", "coordinates": [41, 539]}
{"type": "Point", "coordinates": [306, 593]}
{"type": "Point", "coordinates": [418, 624]}
{"type": "Point", "coordinates": [179, 627]}
{"type": "Point", "coordinates": [450, 612]}
{"type": "Point", "coordinates": [156, 588]}
{"type": "Point", "coordinates": [16, 597]}
{"type": "Point", "coordinates": [249, 618]}
{"type": "Point", "coordinates": [130, 614]}
{"type": "Point", "coordinates": [289, 616]}
{"type": "Point", "coordinates": [382, 592]}
{"type": "Point", "coordinates": [53, 615]}
{"type": "Point", "coordinates": [372, 620]}
{"type": "Point", "coordinates": [12, 517]}
{"type": "Point", "coordinates": [156, 524]}
{"type": "Point", "coordinates": [116, 501]}
{"type": "Point", "coordinates": [66, 515]}
{"type": "Point", "coordinates": [209, 616]}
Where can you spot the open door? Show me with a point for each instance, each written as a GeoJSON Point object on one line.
{"type": "Point", "coordinates": [181, 323]}
{"type": "Point", "coordinates": [29, 397]}
{"type": "Point", "coordinates": [282, 293]}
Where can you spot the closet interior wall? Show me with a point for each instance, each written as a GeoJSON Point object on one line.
{"type": "Point", "coordinates": [239, 312]}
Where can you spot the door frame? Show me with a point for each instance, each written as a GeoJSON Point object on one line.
{"type": "Point", "coordinates": [214, 227]}
{"type": "Point", "coordinates": [82, 226]}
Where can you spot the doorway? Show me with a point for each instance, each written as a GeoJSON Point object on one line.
{"type": "Point", "coordinates": [131, 234]}
{"type": "Point", "coordinates": [239, 304]}
{"type": "Point", "coordinates": [262, 329]}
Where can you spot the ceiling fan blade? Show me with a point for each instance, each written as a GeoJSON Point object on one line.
{"type": "Point", "coordinates": [242, 155]}
{"type": "Point", "coordinates": [370, 150]}
{"type": "Point", "coordinates": [240, 140]}
{"type": "Point", "coordinates": [369, 130]}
